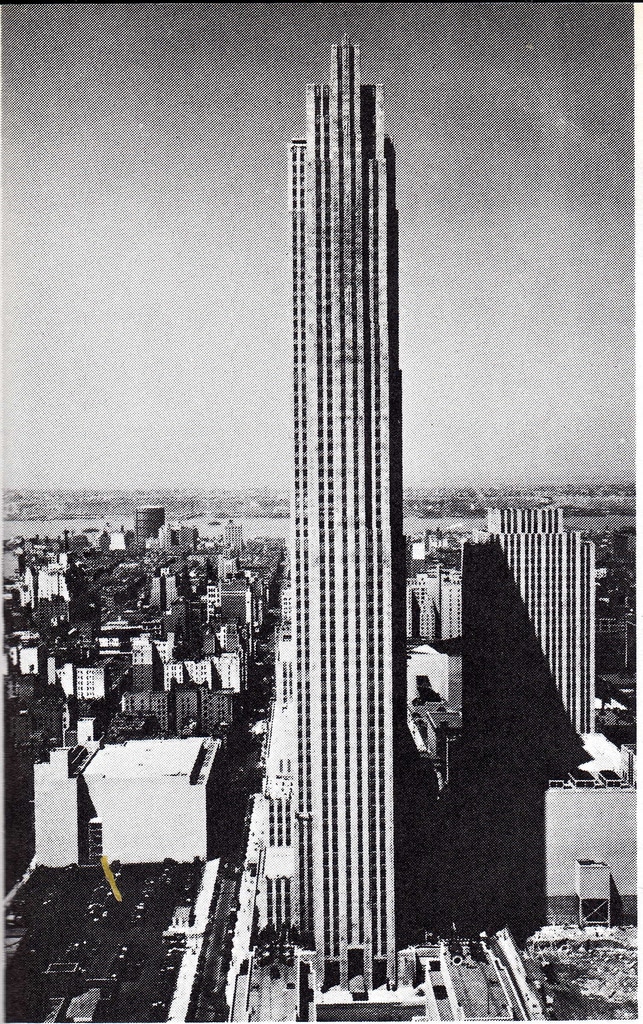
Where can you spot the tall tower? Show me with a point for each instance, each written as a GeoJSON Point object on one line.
{"type": "Point", "coordinates": [529, 563]}
{"type": "Point", "coordinates": [348, 555]}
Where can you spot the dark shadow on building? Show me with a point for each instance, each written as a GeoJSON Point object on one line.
{"type": "Point", "coordinates": [86, 814]}
{"type": "Point", "coordinates": [516, 737]}
{"type": "Point", "coordinates": [421, 900]}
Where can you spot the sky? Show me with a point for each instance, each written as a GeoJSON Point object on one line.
{"type": "Point", "coordinates": [146, 248]}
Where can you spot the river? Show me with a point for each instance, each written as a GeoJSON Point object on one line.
{"type": "Point", "coordinates": [266, 526]}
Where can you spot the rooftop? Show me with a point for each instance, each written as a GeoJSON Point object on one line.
{"type": "Point", "coordinates": [150, 758]}
{"type": "Point", "coordinates": [451, 647]}
{"type": "Point", "coordinates": [603, 754]}
{"type": "Point", "coordinates": [436, 713]}
{"type": "Point", "coordinates": [478, 990]}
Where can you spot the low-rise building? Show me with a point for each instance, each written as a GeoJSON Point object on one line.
{"type": "Point", "coordinates": [138, 802]}
{"type": "Point", "coordinates": [90, 682]}
{"type": "Point", "coordinates": [590, 839]}
{"type": "Point", "coordinates": [232, 670]}
{"type": "Point", "coordinates": [435, 669]}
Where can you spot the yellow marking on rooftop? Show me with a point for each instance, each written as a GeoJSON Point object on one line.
{"type": "Point", "coordinates": [109, 875]}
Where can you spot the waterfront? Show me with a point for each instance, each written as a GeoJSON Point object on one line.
{"type": "Point", "coordinates": [275, 527]}
{"type": "Point", "coordinates": [262, 526]}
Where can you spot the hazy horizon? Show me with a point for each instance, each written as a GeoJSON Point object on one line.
{"type": "Point", "coordinates": [275, 491]}
{"type": "Point", "coordinates": [146, 247]}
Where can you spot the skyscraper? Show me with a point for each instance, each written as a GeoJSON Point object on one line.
{"type": "Point", "coordinates": [527, 693]}
{"type": "Point", "coordinates": [550, 575]}
{"type": "Point", "coordinates": [348, 555]}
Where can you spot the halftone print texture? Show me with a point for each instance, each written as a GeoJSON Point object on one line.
{"type": "Point", "coordinates": [149, 220]}
{"type": "Point", "coordinates": [146, 240]}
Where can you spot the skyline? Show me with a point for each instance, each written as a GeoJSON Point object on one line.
{"type": "Point", "coordinates": [146, 250]}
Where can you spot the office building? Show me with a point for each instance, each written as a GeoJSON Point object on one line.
{"type": "Point", "coordinates": [90, 682]}
{"type": "Point", "coordinates": [450, 605]}
{"type": "Point", "coordinates": [164, 591]}
{"type": "Point", "coordinates": [186, 711]}
{"type": "Point", "coordinates": [284, 684]}
{"type": "Point", "coordinates": [624, 544]}
{"type": "Point", "coordinates": [176, 536]}
{"type": "Point", "coordinates": [117, 541]}
{"type": "Point", "coordinates": [527, 561]}
{"type": "Point", "coordinates": [434, 604]}
{"type": "Point", "coordinates": [212, 601]}
{"type": "Point", "coordinates": [484, 979]}
{"type": "Point", "coordinates": [229, 637]}
{"type": "Point", "coordinates": [279, 862]}
{"type": "Point", "coordinates": [52, 581]}
{"type": "Point", "coordinates": [26, 652]}
{"type": "Point", "coordinates": [286, 604]}
{"type": "Point", "coordinates": [148, 657]}
{"type": "Point", "coordinates": [237, 601]}
{"type": "Point", "coordinates": [348, 554]}
{"type": "Point", "coordinates": [151, 703]}
{"type": "Point", "coordinates": [527, 698]}
{"type": "Point", "coordinates": [423, 605]}
{"type": "Point", "coordinates": [227, 568]}
{"type": "Point", "coordinates": [217, 709]}
{"type": "Point", "coordinates": [232, 669]}
{"type": "Point", "coordinates": [197, 673]}
{"type": "Point", "coordinates": [233, 535]}
{"type": "Point", "coordinates": [148, 521]}
{"type": "Point", "coordinates": [188, 537]}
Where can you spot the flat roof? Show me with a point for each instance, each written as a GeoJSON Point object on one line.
{"type": "Point", "coordinates": [603, 753]}
{"type": "Point", "coordinates": [421, 648]}
{"type": "Point", "coordinates": [451, 648]}
{"type": "Point", "coordinates": [140, 759]}
{"type": "Point", "coordinates": [479, 991]}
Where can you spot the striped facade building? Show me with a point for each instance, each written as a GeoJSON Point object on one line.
{"type": "Point", "coordinates": [555, 574]}
{"type": "Point", "coordinates": [348, 556]}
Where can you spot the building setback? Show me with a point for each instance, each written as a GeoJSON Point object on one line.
{"type": "Point", "coordinates": [348, 554]}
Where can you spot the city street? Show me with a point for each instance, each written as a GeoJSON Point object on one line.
{"type": "Point", "coordinates": [239, 776]}
{"type": "Point", "coordinates": [209, 996]}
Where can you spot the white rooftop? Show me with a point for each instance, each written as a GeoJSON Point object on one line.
{"type": "Point", "coordinates": [603, 753]}
{"type": "Point", "coordinates": [426, 649]}
{"type": "Point", "coordinates": [139, 759]}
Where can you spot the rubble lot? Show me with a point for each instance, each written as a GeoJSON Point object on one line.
{"type": "Point", "coordinates": [591, 972]}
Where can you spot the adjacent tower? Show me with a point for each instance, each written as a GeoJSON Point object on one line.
{"type": "Point", "coordinates": [528, 564]}
{"type": "Point", "coordinates": [348, 556]}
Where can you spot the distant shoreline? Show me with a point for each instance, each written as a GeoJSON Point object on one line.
{"type": "Point", "coordinates": [125, 515]}
{"type": "Point", "coordinates": [586, 513]}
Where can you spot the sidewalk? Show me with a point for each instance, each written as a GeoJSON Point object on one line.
{"type": "Point", "coordinates": [248, 892]}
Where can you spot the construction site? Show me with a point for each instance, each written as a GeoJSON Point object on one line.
{"type": "Point", "coordinates": [591, 972]}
